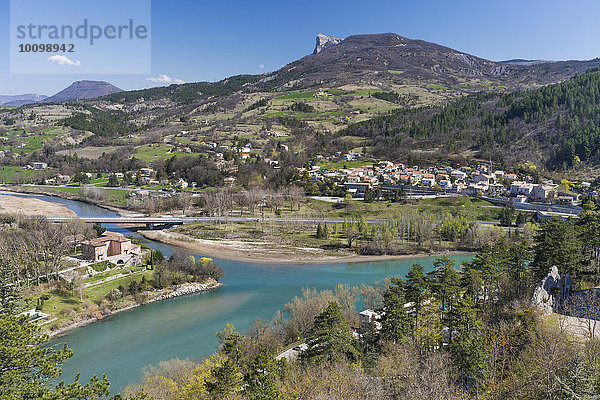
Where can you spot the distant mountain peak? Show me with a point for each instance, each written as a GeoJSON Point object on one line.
{"type": "Point", "coordinates": [325, 41]}
{"type": "Point", "coordinates": [84, 90]}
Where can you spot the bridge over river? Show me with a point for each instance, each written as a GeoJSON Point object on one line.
{"type": "Point", "coordinates": [150, 222]}
{"type": "Point", "coordinates": [153, 222]}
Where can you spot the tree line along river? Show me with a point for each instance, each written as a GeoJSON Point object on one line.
{"type": "Point", "coordinates": [184, 327]}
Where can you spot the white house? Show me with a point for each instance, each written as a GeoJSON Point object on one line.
{"type": "Point", "coordinates": [543, 191]}
{"type": "Point", "coordinates": [181, 184]}
{"type": "Point", "coordinates": [458, 175]}
{"type": "Point", "coordinates": [482, 178]}
{"type": "Point", "coordinates": [428, 180]}
{"type": "Point", "coordinates": [521, 188]}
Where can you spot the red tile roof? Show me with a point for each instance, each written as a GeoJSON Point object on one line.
{"type": "Point", "coordinates": [101, 241]}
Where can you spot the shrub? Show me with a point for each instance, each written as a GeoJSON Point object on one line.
{"type": "Point", "coordinates": [102, 266]}
{"type": "Point", "coordinates": [114, 294]}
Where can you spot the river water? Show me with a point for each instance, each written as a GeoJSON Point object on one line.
{"type": "Point", "coordinates": [185, 327]}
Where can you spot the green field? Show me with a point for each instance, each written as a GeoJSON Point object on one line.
{"type": "Point", "coordinates": [30, 142]}
{"type": "Point", "coordinates": [152, 152]}
{"type": "Point", "coordinates": [8, 173]}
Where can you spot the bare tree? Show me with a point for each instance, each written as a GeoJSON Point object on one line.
{"type": "Point", "coordinates": [295, 195]}
{"type": "Point", "coordinates": [275, 200]}
{"type": "Point", "coordinates": [585, 305]}
{"type": "Point", "coordinates": [95, 193]}
{"type": "Point", "coordinates": [254, 197]}
{"type": "Point", "coordinates": [185, 201]}
{"type": "Point", "coordinates": [79, 230]}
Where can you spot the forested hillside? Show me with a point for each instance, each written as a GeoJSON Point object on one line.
{"type": "Point", "coordinates": [557, 124]}
{"type": "Point", "coordinates": [186, 93]}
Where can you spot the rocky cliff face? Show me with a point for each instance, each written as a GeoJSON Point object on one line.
{"type": "Point", "coordinates": [324, 42]}
{"type": "Point", "coordinates": [393, 58]}
{"type": "Point", "coordinates": [553, 292]}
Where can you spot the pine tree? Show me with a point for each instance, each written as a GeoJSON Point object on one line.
{"type": "Point", "coordinates": [415, 288]}
{"type": "Point", "coordinates": [444, 281]}
{"type": "Point", "coordinates": [319, 233]}
{"type": "Point", "coordinates": [27, 368]}
{"type": "Point", "coordinates": [579, 380]}
{"type": "Point", "coordinates": [261, 377]}
{"type": "Point", "coordinates": [558, 244]}
{"type": "Point", "coordinates": [225, 380]}
{"type": "Point", "coordinates": [330, 339]}
{"type": "Point", "coordinates": [395, 321]}
{"type": "Point", "coordinates": [521, 219]}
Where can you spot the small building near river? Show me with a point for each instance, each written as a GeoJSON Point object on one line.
{"type": "Point", "coordinates": [111, 247]}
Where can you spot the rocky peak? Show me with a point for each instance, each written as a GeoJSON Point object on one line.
{"type": "Point", "coordinates": [324, 42]}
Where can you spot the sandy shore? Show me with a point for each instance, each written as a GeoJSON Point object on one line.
{"type": "Point", "coordinates": [10, 204]}
{"type": "Point", "coordinates": [244, 252]}
{"type": "Point", "coordinates": [39, 191]}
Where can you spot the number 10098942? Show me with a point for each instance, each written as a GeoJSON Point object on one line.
{"type": "Point", "coordinates": [46, 48]}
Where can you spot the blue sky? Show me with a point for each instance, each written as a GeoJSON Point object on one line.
{"type": "Point", "coordinates": [196, 40]}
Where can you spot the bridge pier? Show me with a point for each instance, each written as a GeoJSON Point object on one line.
{"type": "Point", "coordinates": [150, 225]}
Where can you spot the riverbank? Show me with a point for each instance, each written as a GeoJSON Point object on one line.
{"type": "Point", "coordinates": [39, 191]}
{"type": "Point", "coordinates": [254, 252]}
{"type": "Point", "coordinates": [17, 205]}
{"type": "Point", "coordinates": [165, 294]}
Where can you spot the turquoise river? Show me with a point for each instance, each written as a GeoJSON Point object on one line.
{"type": "Point", "coordinates": [121, 345]}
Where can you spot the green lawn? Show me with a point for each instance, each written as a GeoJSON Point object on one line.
{"type": "Point", "coordinates": [151, 153]}
{"type": "Point", "coordinates": [64, 305]}
{"type": "Point", "coordinates": [113, 272]}
{"type": "Point", "coordinates": [7, 173]}
{"type": "Point", "coordinates": [96, 293]}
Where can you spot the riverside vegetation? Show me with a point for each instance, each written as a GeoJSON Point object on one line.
{"type": "Point", "coordinates": [34, 264]}
{"type": "Point", "coordinates": [446, 334]}
{"type": "Point", "coordinates": [370, 227]}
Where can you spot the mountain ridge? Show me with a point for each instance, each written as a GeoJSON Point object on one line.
{"type": "Point", "coordinates": [84, 89]}
{"type": "Point", "coordinates": [380, 56]}
{"type": "Point", "coordinates": [15, 100]}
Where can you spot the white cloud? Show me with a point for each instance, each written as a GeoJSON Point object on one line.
{"type": "Point", "coordinates": [261, 66]}
{"type": "Point", "coordinates": [63, 60]}
{"type": "Point", "coordinates": [165, 79]}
